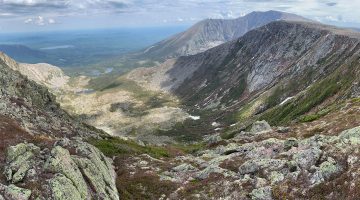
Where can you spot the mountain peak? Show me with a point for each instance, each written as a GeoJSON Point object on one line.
{"type": "Point", "coordinates": [209, 33]}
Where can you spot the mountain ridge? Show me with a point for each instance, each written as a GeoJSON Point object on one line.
{"type": "Point", "coordinates": [212, 32]}
{"type": "Point", "coordinates": [249, 68]}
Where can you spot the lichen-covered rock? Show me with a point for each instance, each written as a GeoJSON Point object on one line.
{"type": "Point", "coordinates": [263, 193]}
{"type": "Point", "coordinates": [213, 139]}
{"type": "Point", "coordinates": [63, 188]}
{"type": "Point", "coordinates": [276, 177]}
{"type": "Point", "coordinates": [252, 166]}
{"type": "Point", "coordinates": [351, 136]}
{"type": "Point", "coordinates": [289, 143]}
{"type": "Point", "coordinates": [205, 173]}
{"type": "Point", "coordinates": [260, 126]}
{"type": "Point", "coordinates": [20, 159]}
{"type": "Point", "coordinates": [12, 192]}
{"type": "Point", "coordinates": [96, 179]}
{"type": "Point", "coordinates": [184, 168]}
{"type": "Point", "coordinates": [14, 151]}
{"type": "Point", "coordinates": [307, 157]}
{"type": "Point", "coordinates": [325, 171]}
{"type": "Point", "coordinates": [61, 162]}
{"type": "Point", "coordinates": [97, 169]}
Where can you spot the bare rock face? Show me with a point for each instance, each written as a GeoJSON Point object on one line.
{"type": "Point", "coordinates": [84, 174]}
{"type": "Point", "coordinates": [212, 32]}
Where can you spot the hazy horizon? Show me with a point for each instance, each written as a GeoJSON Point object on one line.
{"type": "Point", "coordinates": [58, 15]}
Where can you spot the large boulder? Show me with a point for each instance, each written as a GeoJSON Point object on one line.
{"type": "Point", "coordinates": [307, 157]}
{"type": "Point", "coordinates": [260, 127]}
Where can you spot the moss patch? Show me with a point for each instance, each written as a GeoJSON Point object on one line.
{"type": "Point", "coordinates": [117, 147]}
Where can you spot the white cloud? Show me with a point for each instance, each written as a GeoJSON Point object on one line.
{"type": "Point", "coordinates": [28, 21]}
{"type": "Point", "coordinates": [154, 12]}
{"type": "Point", "coordinates": [40, 21]}
{"type": "Point", "coordinates": [51, 21]}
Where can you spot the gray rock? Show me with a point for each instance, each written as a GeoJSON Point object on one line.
{"type": "Point", "coordinates": [263, 193]}
{"type": "Point", "coordinates": [205, 173]}
{"type": "Point", "coordinates": [325, 171]}
{"type": "Point", "coordinates": [213, 139]}
{"type": "Point", "coordinates": [276, 177]}
{"type": "Point", "coordinates": [260, 127]}
{"type": "Point", "coordinates": [184, 168]}
{"type": "Point", "coordinates": [61, 162]}
{"type": "Point", "coordinates": [282, 129]}
{"type": "Point", "coordinates": [97, 169]}
{"type": "Point", "coordinates": [252, 166]}
{"type": "Point", "coordinates": [12, 192]}
{"type": "Point", "coordinates": [20, 159]}
{"type": "Point", "coordinates": [289, 143]}
{"type": "Point", "coordinates": [63, 188]}
{"type": "Point", "coordinates": [307, 157]}
{"type": "Point", "coordinates": [351, 136]}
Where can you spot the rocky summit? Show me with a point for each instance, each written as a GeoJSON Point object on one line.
{"type": "Point", "coordinates": [263, 107]}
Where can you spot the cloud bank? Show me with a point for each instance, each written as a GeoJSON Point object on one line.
{"type": "Point", "coordinates": [87, 13]}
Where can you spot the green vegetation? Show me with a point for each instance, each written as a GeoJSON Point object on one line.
{"type": "Point", "coordinates": [190, 148]}
{"type": "Point", "coordinates": [112, 146]}
{"type": "Point", "coordinates": [309, 118]}
{"type": "Point", "coordinates": [144, 99]}
{"type": "Point", "coordinates": [314, 96]}
{"type": "Point", "coordinates": [235, 92]}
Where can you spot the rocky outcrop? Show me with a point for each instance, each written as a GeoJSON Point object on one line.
{"type": "Point", "coordinates": [83, 174]}
{"type": "Point", "coordinates": [20, 159]}
{"type": "Point", "coordinates": [260, 169]}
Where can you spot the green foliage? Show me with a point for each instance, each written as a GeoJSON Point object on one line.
{"type": "Point", "coordinates": [228, 135]}
{"type": "Point", "coordinates": [187, 131]}
{"type": "Point", "coordinates": [236, 92]}
{"type": "Point", "coordinates": [310, 118]}
{"type": "Point", "coordinates": [191, 148]}
{"type": "Point", "coordinates": [355, 100]}
{"type": "Point", "coordinates": [315, 95]}
{"type": "Point", "coordinates": [112, 146]}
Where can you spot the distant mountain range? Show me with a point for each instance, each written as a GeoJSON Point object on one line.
{"type": "Point", "coordinates": [210, 33]}
{"type": "Point", "coordinates": [23, 53]}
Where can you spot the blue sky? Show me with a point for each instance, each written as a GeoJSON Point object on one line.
{"type": "Point", "coordinates": [42, 15]}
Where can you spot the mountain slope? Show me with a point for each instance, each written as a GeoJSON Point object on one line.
{"type": "Point", "coordinates": [43, 153]}
{"type": "Point", "coordinates": [212, 32]}
{"type": "Point", "coordinates": [262, 69]}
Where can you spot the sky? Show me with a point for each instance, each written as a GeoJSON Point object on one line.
{"type": "Point", "coordinates": [46, 15]}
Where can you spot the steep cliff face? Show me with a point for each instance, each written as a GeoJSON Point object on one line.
{"type": "Point", "coordinates": [274, 54]}
{"type": "Point", "coordinates": [212, 32]}
{"type": "Point", "coordinates": [43, 154]}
